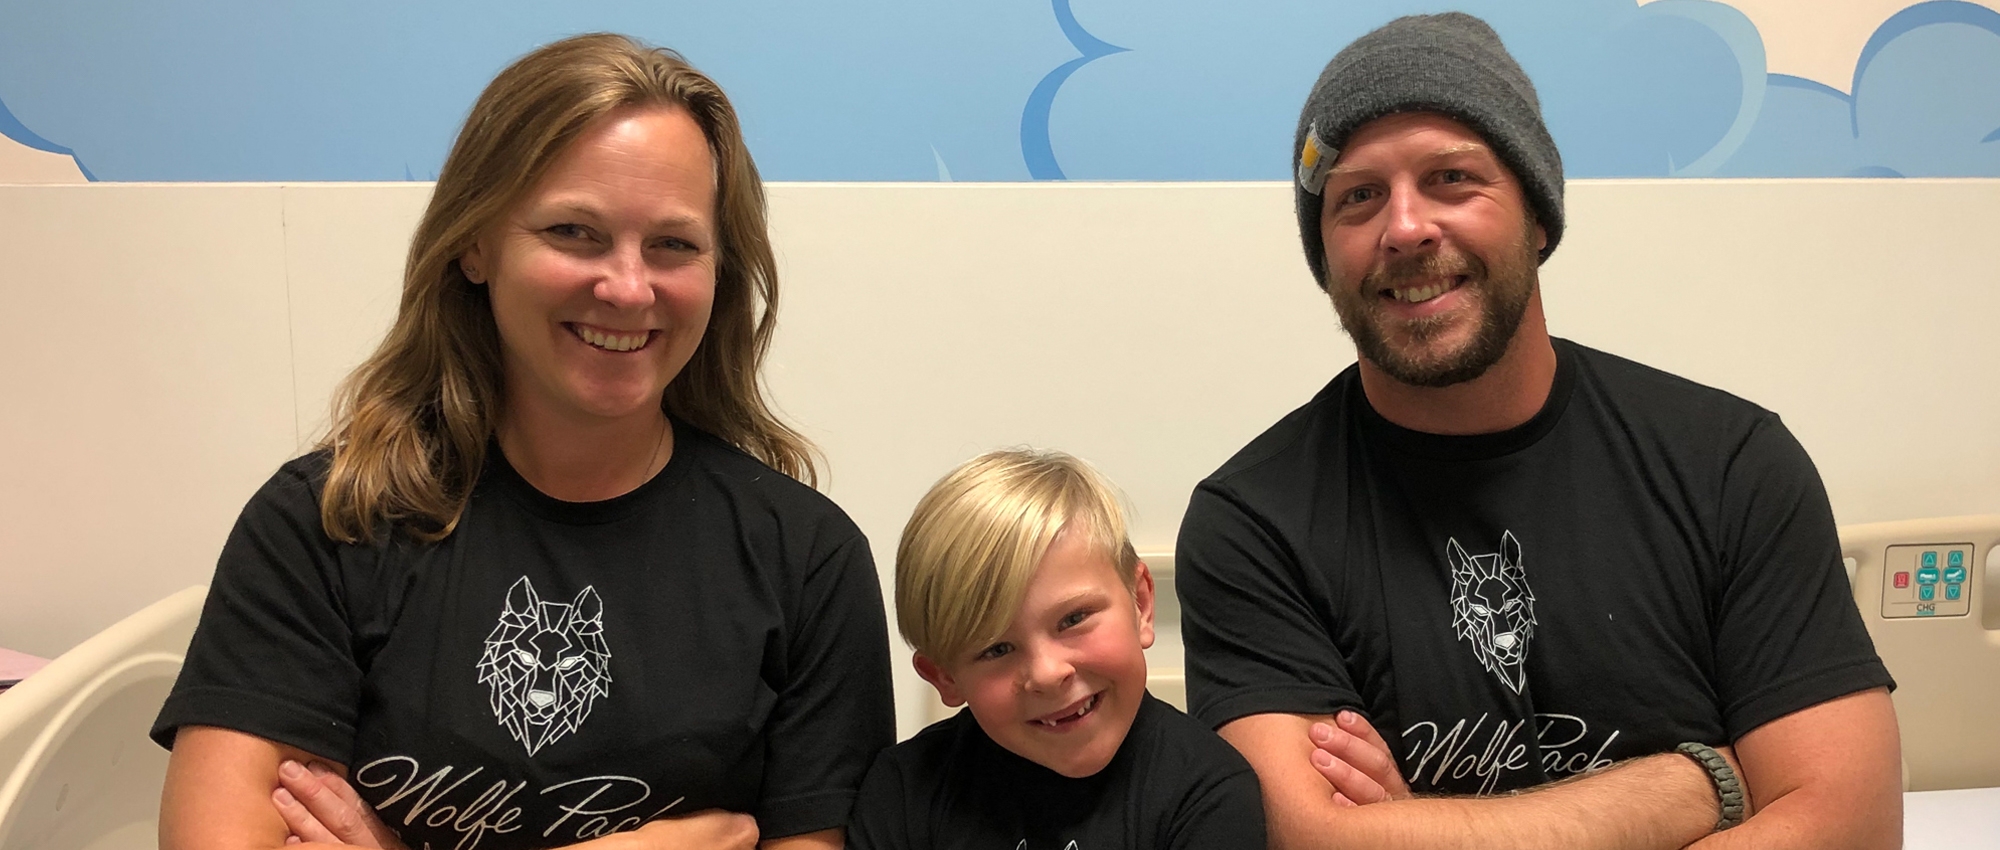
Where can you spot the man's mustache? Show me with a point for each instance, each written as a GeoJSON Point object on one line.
{"type": "Point", "coordinates": [1436, 264]}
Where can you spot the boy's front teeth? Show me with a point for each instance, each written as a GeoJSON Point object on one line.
{"type": "Point", "coordinates": [1088, 704]}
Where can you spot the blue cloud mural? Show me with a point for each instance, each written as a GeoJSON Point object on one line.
{"type": "Point", "coordinates": [13, 129]}
{"type": "Point", "coordinates": [1037, 151]}
{"type": "Point", "coordinates": [1019, 90]}
{"type": "Point", "coordinates": [1925, 103]}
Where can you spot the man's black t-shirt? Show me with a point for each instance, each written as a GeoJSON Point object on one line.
{"type": "Point", "coordinates": [554, 671]}
{"type": "Point", "coordinates": [1645, 562]}
{"type": "Point", "coordinates": [1172, 784]}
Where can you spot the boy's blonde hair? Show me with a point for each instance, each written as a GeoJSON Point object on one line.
{"type": "Point", "coordinates": [974, 542]}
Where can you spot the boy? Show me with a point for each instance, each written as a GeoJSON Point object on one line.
{"type": "Point", "coordinates": [1025, 602]}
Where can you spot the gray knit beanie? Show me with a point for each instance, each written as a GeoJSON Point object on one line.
{"type": "Point", "coordinates": [1451, 63]}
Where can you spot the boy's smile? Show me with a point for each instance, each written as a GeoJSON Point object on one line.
{"type": "Point", "coordinates": [1070, 716]}
{"type": "Point", "coordinates": [1060, 687]}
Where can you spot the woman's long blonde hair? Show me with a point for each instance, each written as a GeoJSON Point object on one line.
{"type": "Point", "coordinates": [411, 424]}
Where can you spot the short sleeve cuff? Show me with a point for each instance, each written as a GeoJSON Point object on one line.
{"type": "Point", "coordinates": [1774, 701]}
{"type": "Point", "coordinates": [800, 815]}
{"type": "Point", "coordinates": [306, 727]}
{"type": "Point", "coordinates": [1239, 703]}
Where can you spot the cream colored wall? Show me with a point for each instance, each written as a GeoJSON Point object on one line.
{"type": "Point", "coordinates": [167, 346]}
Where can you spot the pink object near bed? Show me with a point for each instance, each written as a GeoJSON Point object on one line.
{"type": "Point", "coordinates": [15, 666]}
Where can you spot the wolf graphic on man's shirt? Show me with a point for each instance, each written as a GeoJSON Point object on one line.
{"type": "Point", "coordinates": [546, 663]}
{"type": "Point", "coordinates": [1493, 609]}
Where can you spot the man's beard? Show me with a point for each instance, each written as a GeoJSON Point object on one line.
{"type": "Point", "coordinates": [1502, 291]}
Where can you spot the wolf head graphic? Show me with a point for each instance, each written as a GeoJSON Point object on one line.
{"type": "Point", "coordinates": [546, 662]}
{"type": "Point", "coordinates": [1493, 609]}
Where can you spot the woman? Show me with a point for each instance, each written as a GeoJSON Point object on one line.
{"type": "Point", "coordinates": [541, 586]}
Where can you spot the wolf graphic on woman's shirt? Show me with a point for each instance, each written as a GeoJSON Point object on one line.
{"type": "Point", "coordinates": [546, 663]}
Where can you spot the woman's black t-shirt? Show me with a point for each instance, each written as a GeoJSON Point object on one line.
{"type": "Point", "coordinates": [556, 671]}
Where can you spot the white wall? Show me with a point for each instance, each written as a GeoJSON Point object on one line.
{"type": "Point", "coordinates": [165, 347]}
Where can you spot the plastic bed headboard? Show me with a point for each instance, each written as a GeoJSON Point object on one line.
{"type": "Point", "coordinates": [1929, 591]}
{"type": "Point", "coordinates": [77, 771]}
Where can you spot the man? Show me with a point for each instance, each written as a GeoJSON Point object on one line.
{"type": "Point", "coordinates": [1530, 566]}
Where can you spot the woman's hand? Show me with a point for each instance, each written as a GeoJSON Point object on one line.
{"type": "Point", "coordinates": [321, 808]}
{"type": "Point", "coordinates": [1356, 761]}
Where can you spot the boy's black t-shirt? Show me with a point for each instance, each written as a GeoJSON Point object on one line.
{"type": "Point", "coordinates": [1645, 562]}
{"type": "Point", "coordinates": [1172, 784]}
{"type": "Point", "coordinates": [555, 671]}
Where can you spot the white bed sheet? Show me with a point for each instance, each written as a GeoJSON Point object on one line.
{"type": "Point", "coordinates": [1961, 819]}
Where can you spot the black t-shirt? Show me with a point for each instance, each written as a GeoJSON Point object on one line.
{"type": "Point", "coordinates": [1645, 562]}
{"type": "Point", "coordinates": [1172, 784]}
{"type": "Point", "coordinates": [554, 671]}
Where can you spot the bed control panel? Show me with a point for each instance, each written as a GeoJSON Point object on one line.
{"type": "Point", "coordinates": [1931, 580]}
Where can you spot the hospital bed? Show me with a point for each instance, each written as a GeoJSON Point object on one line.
{"type": "Point", "coordinates": [77, 771]}
{"type": "Point", "coordinates": [1929, 591]}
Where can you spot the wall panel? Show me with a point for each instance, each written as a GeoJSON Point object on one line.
{"type": "Point", "coordinates": [1152, 328]}
{"type": "Point", "coordinates": [145, 391]}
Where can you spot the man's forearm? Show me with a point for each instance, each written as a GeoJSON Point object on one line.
{"type": "Point", "coordinates": [1814, 819]}
{"type": "Point", "coordinates": [1659, 801]}
{"type": "Point", "coordinates": [1822, 777]}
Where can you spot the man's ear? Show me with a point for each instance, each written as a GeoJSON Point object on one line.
{"type": "Point", "coordinates": [947, 687]}
{"type": "Point", "coordinates": [1142, 593]}
{"type": "Point", "coordinates": [1541, 238]}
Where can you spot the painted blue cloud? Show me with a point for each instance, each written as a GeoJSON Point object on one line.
{"type": "Point", "coordinates": [909, 90]}
{"type": "Point", "coordinates": [374, 89]}
{"type": "Point", "coordinates": [1036, 149]}
{"type": "Point", "coordinates": [1925, 102]}
{"type": "Point", "coordinates": [13, 129]}
{"type": "Point", "coordinates": [1671, 91]}
{"type": "Point", "coordinates": [1212, 91]}
{"type": "Point", "coordinates": [1804, 130]}
{"type": "Point", "coordinates": [1927, 92]}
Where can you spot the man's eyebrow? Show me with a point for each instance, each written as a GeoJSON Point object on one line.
{"type": "Point", "coordinates": [1454, 150]}
{"type": "Point", "coordinates": [1440, 153]}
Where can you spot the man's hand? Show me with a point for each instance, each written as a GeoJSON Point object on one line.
{"type": "Point", "coordinates": [320, 807]}
{"type": "Point", "coordinates": [1356, 761]}
{"type": "Point", "coordinates": [1649, 803]}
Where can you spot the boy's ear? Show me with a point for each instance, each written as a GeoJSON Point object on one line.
{"type": "Point", "coordinates": [947, 687]}
{"type": "Point", "coordinates": [1142, 593]}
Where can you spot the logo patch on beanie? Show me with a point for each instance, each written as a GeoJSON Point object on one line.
{"type": "Point", "coordinates": [1315, 160]}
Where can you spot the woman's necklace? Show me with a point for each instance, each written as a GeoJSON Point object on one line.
{"type": "Point", "coordinates": [653, 462]}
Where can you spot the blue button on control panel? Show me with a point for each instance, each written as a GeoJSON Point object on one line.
{"type": "Point", "coordinates": [1929, 578]}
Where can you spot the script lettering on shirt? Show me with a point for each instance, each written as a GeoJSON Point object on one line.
{"type": "Point", "coordinates": [631, 791]}
{"type": "Point", "coordinates": [1024, 845]}
{"type": "Point", "coordinates": [488, 812]}
{"type": "Point", "coordinates": [1558, 734]}
{"type": "Point", "coordinates": [1475, 747]}
{"type": "Point", "coordinates": [1450, 750]}
{"type": "Point", "coordinates": [446, 798]}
